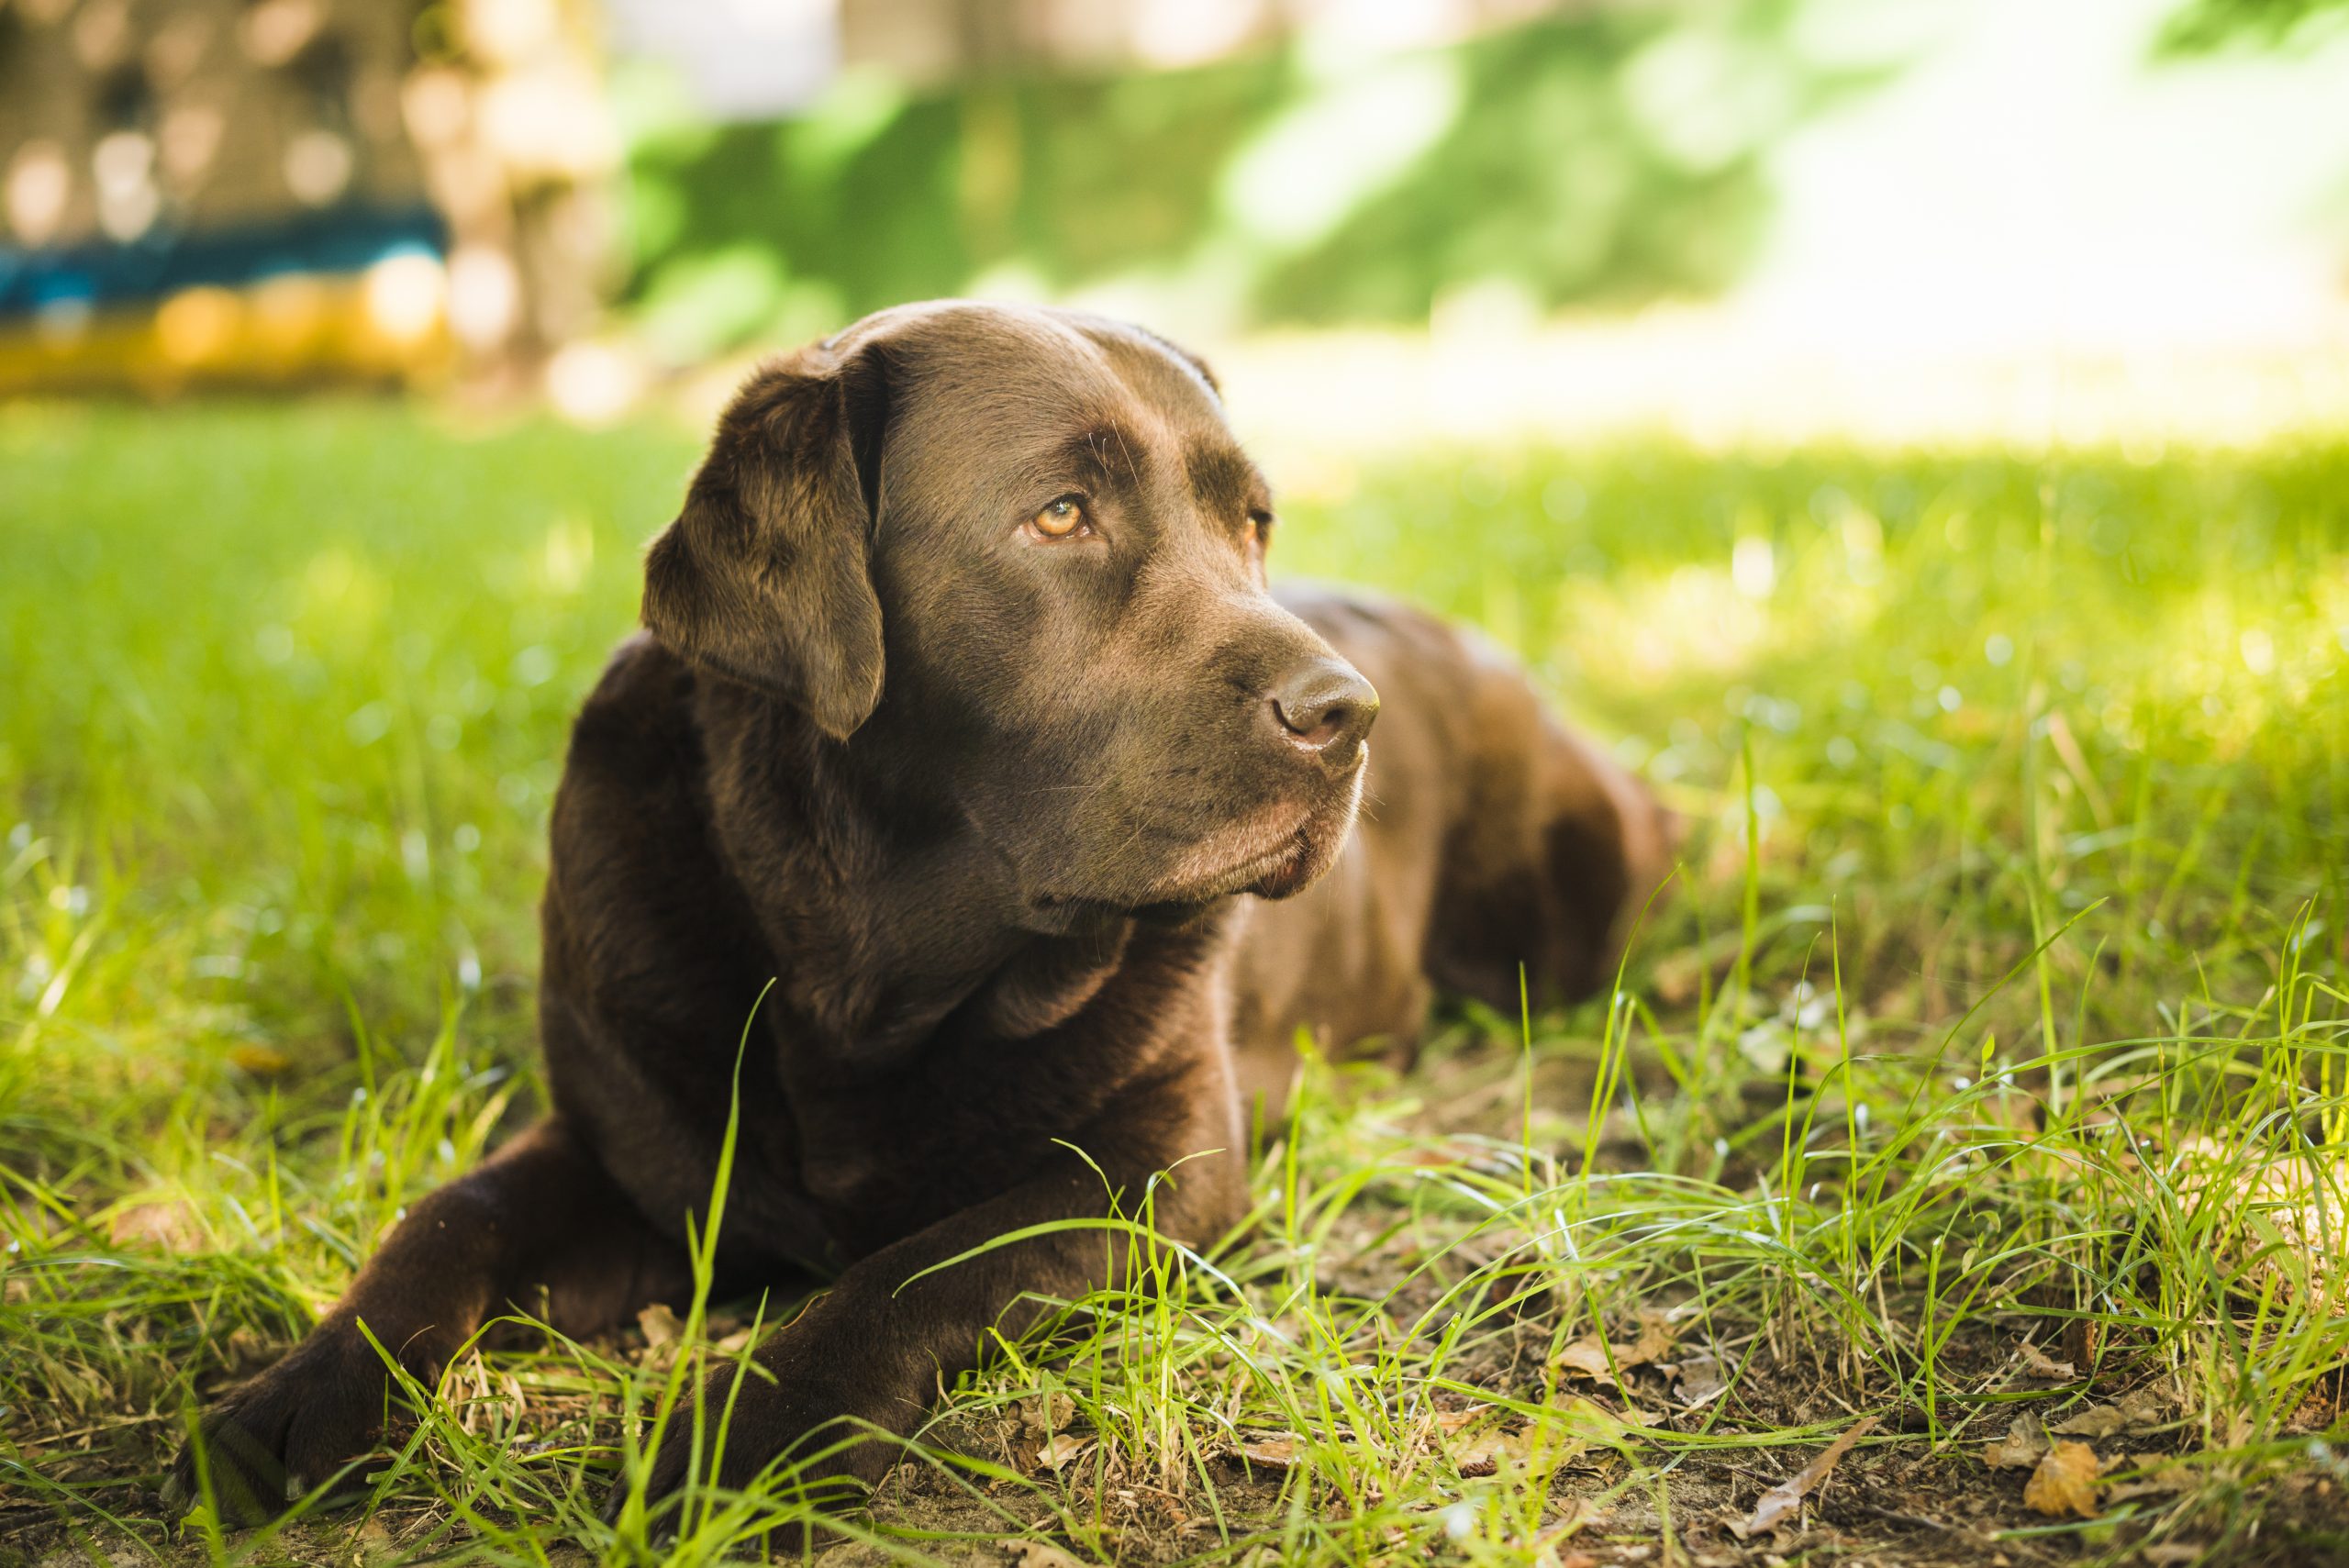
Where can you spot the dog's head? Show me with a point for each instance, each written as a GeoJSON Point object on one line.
{"type": "Point", "coordinates": [1021, 551]}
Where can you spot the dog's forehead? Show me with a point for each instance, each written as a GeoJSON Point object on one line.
{"type": "Point", "coordinates": [1005, 374]}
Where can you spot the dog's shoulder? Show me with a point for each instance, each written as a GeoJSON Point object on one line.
{"type": "Point", "coordinates": [638, 723]}
{"type": "Point", "coordinates": [632, 801]}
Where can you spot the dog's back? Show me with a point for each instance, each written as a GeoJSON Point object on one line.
{"type": "Point", "coordinates": [1490, 835]}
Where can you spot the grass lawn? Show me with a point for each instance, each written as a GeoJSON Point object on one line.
{"type": "Point", "coordinates": [1983, 1091]}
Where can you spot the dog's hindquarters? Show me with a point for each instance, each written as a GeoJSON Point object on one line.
{"type": "Point", "coordinates": [1491, 837]}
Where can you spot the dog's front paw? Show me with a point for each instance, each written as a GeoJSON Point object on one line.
{"type": "Point", "coordinates": [286, 1432]}
{"type": "Point", "coordinates": [818, 1437]}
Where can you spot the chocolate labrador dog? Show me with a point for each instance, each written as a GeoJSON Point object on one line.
{"type": "Point", "coordinates": [965, 718]}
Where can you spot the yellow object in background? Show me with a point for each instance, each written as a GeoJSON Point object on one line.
{"type": "Point", "coordinates": [387, 324]}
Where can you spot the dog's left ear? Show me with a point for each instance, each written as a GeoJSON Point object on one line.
{"type": "Point", "coordinates": [765, 575]}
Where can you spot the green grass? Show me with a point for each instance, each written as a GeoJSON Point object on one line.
{"type": "Point", "coordinates": [2000, 1001]}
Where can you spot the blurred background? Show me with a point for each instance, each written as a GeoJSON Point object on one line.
{"type": "Point", "coordinates": [1914, 434]}
{"type": "Point", "coordinates": [1730, 221]}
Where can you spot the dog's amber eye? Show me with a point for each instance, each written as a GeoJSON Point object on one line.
{"type": "Point", "coordinates": [1059, 520]}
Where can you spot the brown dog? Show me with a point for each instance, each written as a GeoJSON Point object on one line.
{"type": "Point", "coordinates": [966, 718]}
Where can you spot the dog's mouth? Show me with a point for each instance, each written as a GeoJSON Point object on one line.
{"type": "Point", "coordinates": [1282, 858]}
{"type": "Point", "coordinates": [1278, 872]}
{"type": "Point", "coordinates": [1274, 851]}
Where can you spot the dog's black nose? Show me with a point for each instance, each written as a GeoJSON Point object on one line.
{"type": "Point", "coordinates": [1325, 706]}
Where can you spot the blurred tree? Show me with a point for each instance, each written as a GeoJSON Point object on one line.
{"type": "Point", "coordinates": [1610, 154]}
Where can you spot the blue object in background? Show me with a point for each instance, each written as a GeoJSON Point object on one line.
{"type": "Point", "coordinates": [147, 271]}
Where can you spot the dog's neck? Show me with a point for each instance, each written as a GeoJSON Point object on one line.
{"type": "Point", "coordinates": [899, 921]}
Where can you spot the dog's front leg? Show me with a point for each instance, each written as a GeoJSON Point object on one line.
{"type": "Point", "coordinates": [538, 1225]}
{"type": "Point", "coordinates": [862, 1362]}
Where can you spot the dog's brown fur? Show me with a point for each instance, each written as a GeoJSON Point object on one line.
{"type": "Point", "coordinates": [1011, 822]}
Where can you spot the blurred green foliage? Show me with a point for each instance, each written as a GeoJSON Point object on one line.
{"type": "Point", "coordinates": [1604, 157]}
{"type": "Point", "coordinates": [2202, 26]}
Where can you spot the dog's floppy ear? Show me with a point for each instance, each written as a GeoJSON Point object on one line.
{"type": "Point", "coordinates": [765, 576]}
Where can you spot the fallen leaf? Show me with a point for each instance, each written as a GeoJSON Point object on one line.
{"type": "Point", "coordinates": [1654, 1341]}
{"type": "Point", "coordinates": [1484, 1449]}
{"type": "Point", "coordinates": [2065, 1482]}
{"type": "Point", "coordinates": [373, 1544]}
{"type": "Point", "coordinates": [1039, 1554]}
{"type": "Point", "coordinates": [2140, 1412]}
{"type": "Point", "coordinates": [1601, 1362]}
{"type": "Point", "coordinates": [2020, 1448]}
{"type": "Point", "coordinates": [1698, 1380]}
{"type": "Point", "coordinates": [1786, 1497]}
{"type": "Point", "coordinates": [1273, 1453]}
{"type": "Point", "coordinates": [1587, 1417]}
{"type": "Point", "coordinates": [660, 1325]}
{"type": "Point", "coordinates": [1042, 1416]}
{"type": "Point", "coordinates": [1061, 1450]}
{"type": "Point", "coordinates": [1533, 1451]}
{"type": "Point", "coordinates": [1481, 1457]}
{"type": "Point", "coordinates": [1575, 1512]}
{"type": "Point", "coordinates": [1587, 1357]}
{"type": "Point", "coordinates": [1549, 1547]}
{"type": "Point", "coordinates": [2037, 1362]}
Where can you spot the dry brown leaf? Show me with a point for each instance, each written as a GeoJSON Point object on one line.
{"type": "Point", "coordinates": [2037, 1362]}
{"type": "Point", "coordinates": [1039, 1554]}
{"type": "Point", "coordinates": [1484, 1449]}
{"type": "Point", "coordinates": [1042, 1416]}
{"type": "Point", "coordinates": [660, 1325]}
{"type": "Point", "coordinates": [2020, 1448]}
{"type": "Point", "coordinates": [1535, 1450]}
{"type": "Point", "coordinates": [1550, 1546]}
{"type": "Point", "coordinates": [1272, 1453]}
{"type": "Point", "coordinates": [1587, 1358]}
{"type": "Point", "coordinates": [1698, 1380]}
{"type": "Point", "coordinates": [1587, 1417]}
{"type": "Point", "coordinates": [373, 1544]}
{"type": "Point", "coordinates": [1061, 1450]}
{"type": "Point", "coordinates": [1653, 1344]}
{"type": "Point", "coordinates": [1601, 1362]}
{"type": "Point", "coordinates": [1786, 1497]}
{"type": "Point", "coordinates": [2065, 1482]}
{"type": "Point", "coordinates": [2140, 1412]}
{"type": "Point", "coordinates": [1481, 1456]}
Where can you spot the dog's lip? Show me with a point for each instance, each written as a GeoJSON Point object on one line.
{"type": "Point", "coordinates": [1277, 870]}
{"type": "Point", "coordinates": [1288, 854]}
{"type": "Point", "coordinates": [1286, 872]}
{"type": "Point", "coordinates": [1272, 870]}
{"type": "Point", "coordinates": [1245, 873]}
